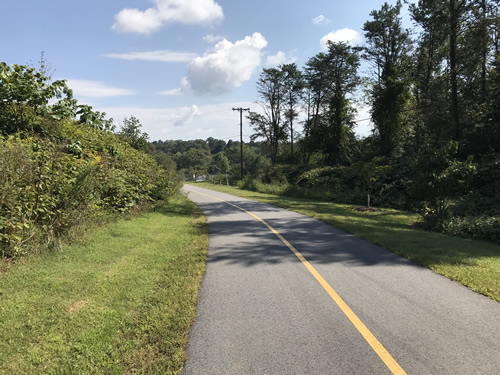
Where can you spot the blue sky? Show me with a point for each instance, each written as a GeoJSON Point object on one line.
{"type": "Point", "coordinates": [180, 66]}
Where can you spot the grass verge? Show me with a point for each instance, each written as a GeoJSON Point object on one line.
{"type": "Point", "coordinates": [475, 264]}
{"type": "Point", "coordinates": [120, 302]}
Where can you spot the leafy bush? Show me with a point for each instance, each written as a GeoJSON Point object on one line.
{"type": "Point", "coordinates": [479, 228]}
{"type": "Point", "coordinates": [43, 193]}
{"type": "Point", "coordinates": [61, 165]}
{"type": "Point", "coordinates": [317, 176]}
{"type": "Point", "coordinates": [272, 175]}
{"type": "Point", "coordinates": [50, 185]}
{"type": "Point", "coordinates": [441, 180]}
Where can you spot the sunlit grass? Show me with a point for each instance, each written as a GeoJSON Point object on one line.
{"type": "Point", "coordinates": [475, 264]}
{"type": "Point", "coordinates": [120, 302]}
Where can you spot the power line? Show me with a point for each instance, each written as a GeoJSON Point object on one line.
{"type": "Point", "coordinates": [363, 119]}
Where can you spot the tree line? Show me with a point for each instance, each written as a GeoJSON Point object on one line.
{"type": "Point", "coordinates": [434, 94]}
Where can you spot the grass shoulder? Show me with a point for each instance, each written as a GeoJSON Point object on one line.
{"type": "Point", "coordinates": [122, 301]}
{"type": "Point", "coordinates": [475, 264]}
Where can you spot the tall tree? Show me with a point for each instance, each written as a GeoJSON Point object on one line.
{"type": "Point", "coordinates": [456, 43]}
{"type": "Point", "coordinates": [270, 125]}
{"type": "Point", "coordinates": [293, 84]}
{"type": "Point", "coordinates": [430, 90]}
{"type": "Point", "coordinates": [387, 49]}
{"type": "Point", "coordinates": [332, 78]}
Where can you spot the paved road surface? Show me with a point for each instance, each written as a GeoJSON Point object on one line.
{"type": "Point", "coordinates": [262, 311]}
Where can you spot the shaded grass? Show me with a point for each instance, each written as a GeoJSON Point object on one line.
{"type": "Point", "coordinates": [475, 264]}
{"type": "Point", "coordinates": [121, 302]}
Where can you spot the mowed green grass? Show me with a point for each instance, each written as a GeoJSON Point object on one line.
{"type": "Point", "coordinates": [122, 301]}
{"type": "Point", "coordinates": [475, 264]}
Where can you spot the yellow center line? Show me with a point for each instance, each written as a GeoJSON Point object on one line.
{"type": "Point", "coordinates": [384, 355]}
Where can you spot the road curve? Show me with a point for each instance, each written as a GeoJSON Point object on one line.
{"type": "Point", "coordinates": [261, 310]}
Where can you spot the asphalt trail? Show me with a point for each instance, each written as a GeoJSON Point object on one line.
{"type": "Point", "coordinates": [261, 311]}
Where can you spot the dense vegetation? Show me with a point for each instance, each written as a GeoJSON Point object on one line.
{"type": "Point", "coordinates": [435, 107]}
{"type": "Point", "coordinates": [61, 165]}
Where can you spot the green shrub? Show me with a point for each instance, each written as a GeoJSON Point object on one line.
{"type": "Point", "coordinates": [44, 192]}
{"type": "Point", "coordinates": [272, 175]}
{"type": "Point", "coordinates": [441, 180]}
{"type": "Point", "coordinates": [478, 228]}
{"type": "Point", "coordinates": [53, 184]}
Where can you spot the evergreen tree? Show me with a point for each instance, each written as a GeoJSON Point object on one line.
{"type": "Point", "coordinates": [332, 78]}
{"type": "Point", "coordinates": [388, 47]}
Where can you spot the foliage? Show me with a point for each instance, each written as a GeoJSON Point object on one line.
{"type": "Point", "coordinates": [48, 187]}
{"type": "Point", "coordinates": [271, 125]}
{"type": "Point", "coordinates": [293, 85]}
{"type": "Point", "coordinates": [388, 47]}
{"type": "Point", "coordinates": [44, 190]}
{"type": "Point", "coordinates": [441, 180]}
{"type": "Point", "coordinates": [195, 161]}
{"type": "Point", "coordinates": [25, 94]}
{"type": "Point", "coordinates": [480, 228]}
{"type": "Point", "coordinates": [58, 174]}
{"type": "Point", "coordinates": [130, 132]}
{"type": "Point", "coordinates": [24, 98]}
{"type": "Point", "coordinates": [332, 78]}
{"type": "Point", "coordinates": [95, 119]}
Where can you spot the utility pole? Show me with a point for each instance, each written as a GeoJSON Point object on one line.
{"type": "Point", "coordinates": [241, 136]}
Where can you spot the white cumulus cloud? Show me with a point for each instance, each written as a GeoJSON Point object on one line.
{"type": "Point", "coordinates": [226, 66]}
{"type": "Point", "coordinates": [342, 35]}
{"type": "Point", "coordinates": [133, 20]}
{"type": "Point", "coordinates": [86, 88]}
{"type": "Point", "coordinates": [160, 55]}
{"type": "Point", "coordinates": [279, 59]}
{"type": "Point", "coordinates": [321, 20]}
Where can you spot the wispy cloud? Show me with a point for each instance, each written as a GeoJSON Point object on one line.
{"type": "Point", "coordinates": [187, 117]}
{"type": "Point", "coordinates": [159, 55]}
{"type": "Point", "coordinates": [187, 122]}
{"type": "Point", "coordinates": [96, 89]}
{"type": "Point", "coordinates": [321, 20]}
{"type": "Point", "coordinates": [213, 38]}
{"type": "Point", "coordinates": [172, 92]}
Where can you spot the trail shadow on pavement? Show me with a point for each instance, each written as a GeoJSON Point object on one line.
{"type": "Point", "coordinates": [250, 242]}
